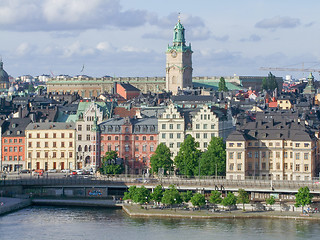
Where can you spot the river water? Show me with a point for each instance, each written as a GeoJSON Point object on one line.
{"type": "Point", "coordinates": [94, 223]}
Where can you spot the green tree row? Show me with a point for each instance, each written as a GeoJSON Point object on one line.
{"type": "Point", "coordinates": [269, 83]}
{"type": "Point", "coordinates": [190, 161]}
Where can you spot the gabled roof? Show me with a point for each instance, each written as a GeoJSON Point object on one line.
{"type": "Point", "coordinates": [129, 88]}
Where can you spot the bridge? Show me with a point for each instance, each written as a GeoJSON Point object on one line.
{"type": "Point", "coordinates": [117, 185]}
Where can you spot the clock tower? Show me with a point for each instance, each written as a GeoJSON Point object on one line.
{"type": "Point", "coordinates": [178, 62]}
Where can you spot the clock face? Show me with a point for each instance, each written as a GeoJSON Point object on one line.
{"type": "Point", "coordinates": [174, 54]}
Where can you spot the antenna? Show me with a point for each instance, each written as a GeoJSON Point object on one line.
{"type": "Point", "coordinates": [179, 16]}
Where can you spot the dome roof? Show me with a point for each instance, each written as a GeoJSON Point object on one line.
{"type": "Point", "coordinates": [4, 77]}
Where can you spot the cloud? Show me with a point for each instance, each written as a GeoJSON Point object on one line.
{"type": "Point", "coordinates": [24, 49]}
{"type": "Point", "coordinates": [278, 22]}
{"type": "Point", "coordinates": [251, 38]}
{"type": "Point", "coordinates": [309, 24]}
{"type": "Point", "coordinates": [222, 38]}
{"type": "Point", "coordinates": [63, 15]}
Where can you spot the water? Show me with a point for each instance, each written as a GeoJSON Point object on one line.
{"type": "Point", "coordinates": [94, 223]}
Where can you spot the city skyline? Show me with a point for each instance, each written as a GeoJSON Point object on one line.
{"type": "Point", "coordinates": [129, 38]}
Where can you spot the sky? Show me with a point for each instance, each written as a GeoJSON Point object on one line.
{"type": "Point", "coordinates": [128, 38]}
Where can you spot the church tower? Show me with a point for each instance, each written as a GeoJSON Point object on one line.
{"type": "Point", "coordinates": [178, 62]}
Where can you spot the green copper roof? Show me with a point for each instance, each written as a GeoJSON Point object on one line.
{"type": "Point", "coordinates": [179, 41]}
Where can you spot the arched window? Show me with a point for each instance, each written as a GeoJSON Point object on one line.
{"type": "Point", "coordinates": [79, 148]}
{"type": "Point", "coordinates": [86, 148]}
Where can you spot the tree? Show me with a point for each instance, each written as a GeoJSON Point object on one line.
{"type": "Point", "coordinates": [303, 197]}
{"type": "Point", "coordinates": [157, 194]}
{"type": "Point", "coordinates": [161, 159]}
{"type": "Point", "coordinates": [270, 201]}
{"type": "Point", "coordinates": [141, 195]}
{"type": "Point", "coordinates": [229, 200]}
{"type": "Point", "coordinates": [186, 196]}
{"type": "Point", "coordinates": [243, 197]}
{"type": "Point", "coordinates": [130, 193]}
{"type": "Point", "coordinates": [31, 88]}
{"type": "Point", "coordinates": [188, 157]}
{"type": "Point", "coordinates": [222, 85]}
{"type": "Point", "coordinates": [109, 165]}
{"type": "Point", "coordinates": [272, 82]}
{"type": "Point", "coordinates": [171, 196]}
{"type": "Point", "coordinates": [215, 198]}
{"type": "Point", "coordinates": [214, 159]}
{"type": "Point", "coordinates": [264, 84]}
{"type": "Point", "coordinates": [198, 199]}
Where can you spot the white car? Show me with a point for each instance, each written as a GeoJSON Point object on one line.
{"type": "Point", "coordinates": [65, 170]}
{"type": "Point", "coordinates": [52, 171]}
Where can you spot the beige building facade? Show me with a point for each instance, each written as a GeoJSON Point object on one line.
{"type": "Point", "coordinates": [278, 153]}
{"type": "Point", "coordinates": [51, 146]}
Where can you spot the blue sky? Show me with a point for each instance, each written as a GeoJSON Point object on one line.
{"type": "Point", "coordinates": [129, 37]}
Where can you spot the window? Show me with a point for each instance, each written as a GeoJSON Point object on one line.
{"type": "Point", "coordinates": [38, 144]}
{"type": "Point", "coordinates": [88, 137]}
{"type": "Point", "coordinates": [197, 135]}
{"type": "Point", "coordinates": [163, 135]}
{"type": "Point", "coordinates": [231, 144]}
{"type": "Point", "coordinates": [291, 154]}
{"type": "Point", "coordinates": [54, 135]}
{"type": "Point", "coordinates": [15, 140]}
{"type": "Point", "coordinates": [205, 126]}
{"type": "Point", "coordinates": [144, 148]}
{"type": "Point", "coordinates": [10, 158]}
{"type": "Point", "coordinates": [205, 145]}
{"type": "Point", "coordinates": [306, 145]}
{"type": "Point", "coordinates": [30, 135]}
{"type": "Point", "coordinates": [38, 135]}
{"type": "Point", "coordinates": [88, 127]}
{"type": "Point", "coordinates": [126, 138]}
{"type": "Point", "coordinates": [46, 135]}
{"type": "Point", "coordinates": [178, 144]}
{"type": "Point", "coordinates": [256, 154]}
{"type": "Point", "coordinates": [231, 166]}
{"type": "Point", "coordinates": [197, 126]}
{"type": "Point", "coordinates": [127, 129]}
{"type": "Point", "coordinates": [249, 166]}
{"type": "Point", "coordinates": [54, 144]}
{"type": "Point", "coordinates": [117, 138]}
{"type": "Point", "coordinates": [54, 154]}
{"type": "Point", "coordinates": [144, 138]}
{"type": "Point", "coordinates": [170, 145]}
{"type": "Point", "coordinates": [278, 166]}
{"type": "Point", "coordinates": [212, 126]}
{"type": "Point", "coordinates": [297, 144]}
{"type": "Point", "coordinates": [20, 149]}
{"type": "Point", "coordinates": [109, 138]}
{"type": "Point", "coordinates": [126, 148]}
{"type": "Point", "coordinates": [263, 154]}
{"type": "Point", "coordinates": [62, 135]}
{"type": "Point", "coordinates": [270, 144]}
{"type": "Point", "coordinates": [297, 156]}
{"type": "Point", "coordinates": [277, 144]}
{"type": "Point", "coordinates": [306, 167]}
{"type": "Point", "coordinates": [151, 138]}
{"type": "Point", "coordinates": [231, 155]}
{"type": "Point", "coordinates": [171, 126]}
{"type": "Point", "coordinates": [178, 135]}
{"type": "Point", "coordinates": [306, 156]}
{"type": "Point", "coordinates": [171, 135]}
{"type": "Point", "coordinates": [5, 140]}
{"type": "Point", "coordinates": [285, 166]}
{"type": "Point", "coordinates": [70, 155]}
{"type": "Point", "coordinates": [271, 166]}
{"type": "Point", "coordinates": [20, 158]}
{"type": "Point", "coordinates": [70, 144]}
{"type": "Point", "coordinates": [239, 167]}
{"type": "Point", "coordinates": [205, 135]}
{"type": "Point", "coordinates": [10, 140]}
{"type": "Point", "coordinates": [79, 137]}
{"type": "Point", "coordinates": [20, 140]}
{"type": "Point", "coordinates": [249, 154]}
{"type": "Point", "coordinates": [298, 167]}
{"type": "Point", "coordinates": [239, 155]}
{"type": "Point", "coordinates": [285, 154]}
{"type": "Point", "coordinates": [213, 135]}
{"type": "Point", "coordinates": [70, 135]}
{"type": "Point", "coordinates": [29, 144]}
{"type": "Point", "coordinates": [178, 126]}
{"type": "Point", "coordinates": [5, 158]}
{"type": "Point", "coordinates": [277, 154]}
{"type": "Point", "coordinates": [62, 144]}
{"type": "Point", "coordinates": [38, 154]}
{"type": "Point", "coordinates": [6, 149]}
{"type": "Point", "coordinates": [79, 127]}
{"type": "Point", "coordinates": [263, 165]}
{"type": "Point", "coordinates": [109, 147]}
{"type": "Point", "coordinates": [163, 126]}
{"type": "Point", "coordinates": [46, 144]}
{"type": "Point", "coordinates": [239, 144]}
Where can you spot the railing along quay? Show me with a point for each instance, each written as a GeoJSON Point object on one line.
{"type": "Point", "coordinates": [204, 182]}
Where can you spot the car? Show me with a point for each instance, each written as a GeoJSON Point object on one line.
{"type": "Point", "coordinates": [52, 171]}
{"type": "Point", "coordinates": [73, 173]}
{"type": "Point", "coordinates": [65, 170]}
{"type": "Point", "coordinates": [25, 171]}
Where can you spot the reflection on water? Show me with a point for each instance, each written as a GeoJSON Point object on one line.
{"type": "Point", "coordinates": [96, 223]}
